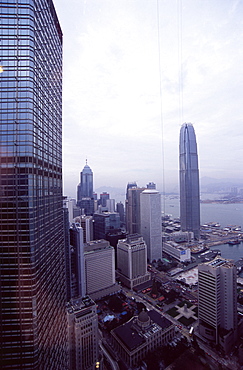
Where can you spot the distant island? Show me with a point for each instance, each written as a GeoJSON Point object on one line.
{"type": "Point", "coordinates": [223, 201]}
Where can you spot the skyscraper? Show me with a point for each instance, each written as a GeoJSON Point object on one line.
{"type": "Point", "coordinates": [132, 261]}
{"type": "Point", "coordinates": [85, 187]}
{"type": "Point", "coordinates": [99, 259]}
{"type": "Point", "coordinates": [189, 181]}
{"type": "Point", "coordinates": [110, 205]}
{"type": "Point", "coordinates": [133, 208]}
{"type": "Point", "coordinates": [217, 298]}
{"type": "Point", "coordinates": [77, 261]}
{"type": "Point", "coordinates": [151, 223]}
{"type": "Point", "coordinates": [120, 210]}
{"type": "Point", "coordinates": [105, 223]}
{"type": "Point", "coordinates": [103, 198]}
{"type": "Point", "coordinates": [83, 336]}
{"type": "Point", "coordinates": [85, 198]}
{"type": "Point", "coordinates": [33, 288]}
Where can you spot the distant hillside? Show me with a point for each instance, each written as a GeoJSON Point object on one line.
{"type": "Point", "coordinates": [211, 185]}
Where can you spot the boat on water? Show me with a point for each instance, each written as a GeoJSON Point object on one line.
{"type": "Point", "coordinates": [234, 242]}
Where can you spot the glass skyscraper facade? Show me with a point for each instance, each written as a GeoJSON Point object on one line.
{"type": "Point", "coordinates": [189, 181]}
{"type": "Point", "coordinates": [151, 226]}
{"type": "Point", "coordinates": [85, 197]}
{"type": "Point", "coordinates": [85, 188]}
{"type": "Point", "coordinates": [33, 288]}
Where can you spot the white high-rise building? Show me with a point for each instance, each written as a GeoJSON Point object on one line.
{"type": "Point", "coordinates": [217, 298]}
{"type": "Point", "coordinates": [110, 205]}
{"type": "Point", "coordinates": [132, 260]}
{"type": "Point", "coordinates": [70, 204]}
{"type": "Point", "coordinates": [99, 259]}
{"type": "Point", "coordinates": [151, 225]}
{"type": "Point", "coordinates": [86, 223]}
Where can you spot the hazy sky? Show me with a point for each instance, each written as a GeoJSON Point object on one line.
{"type": "Point", "coordinates": [134, 71]}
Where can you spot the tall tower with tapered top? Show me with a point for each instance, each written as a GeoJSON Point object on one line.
{"type": "Point", "coordinates": [189, 181]}
{"type": "Point", "coordinates": [85, 197]}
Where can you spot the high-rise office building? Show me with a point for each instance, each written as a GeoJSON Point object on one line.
{"type": "Point", "coordinates": [88, 229]}
{"type": "Point", "coordinates": [85, 187]}
{"type": "Point", "coordinates": [217, 301]}
{"type": "Point", "coordinates": [120, 210]}
{"type": "Point", "coordinates": [132, 261]}
{"type": "Point", "coordinates": [70, 205]}
{"type": "Point", "coordinates": [85, 196]}
{"type": "Point", "coordinates": [129, 186]}
{"type": "Point", "coordinates": [110, 205]}
{"type": "Point", "coordinates": [103, 198]}
{"type": "Point", "coordinates": [133, 209]}
{"type": "Point", "coordinates": [99, 257]}
{"type": "Point", "coordinates": [189, 181]}
{"type": "Point", "coordinates": [77, 261]}
{"type": "Point", "coordinates": [67, 250]}
{"type": "Point", "coordinates": [82, 334]}
{"type": "Point", "coordinates": [151, 222]}
{"type": "Point", "coordinates": [86, 223]}
{"type": "Point", "coordinates": [33, 287]}
{"type": "Point", "coordinates": [104, 223]}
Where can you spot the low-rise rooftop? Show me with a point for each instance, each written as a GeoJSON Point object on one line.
{"type": "Point", "coordinates": [132, 335]}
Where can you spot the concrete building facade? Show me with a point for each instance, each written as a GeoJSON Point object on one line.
{"type": "Point", "coordinates": [82, 320]}
{"type": "Point", "coordinates": [86, 223]}
{"type": "Point", "coordinates": [217, 299]}
{"type": "Point", "coordinates": [110, 204]}
{"type": "Point", "coordinates": [177, 251]}
{"type": "Point", "coordinates": [99, 259]}
{"type": "Point", "coordinates": [132, 261]}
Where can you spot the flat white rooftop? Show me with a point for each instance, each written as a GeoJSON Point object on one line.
{"type": "Point", "coordinates": [190, 277]}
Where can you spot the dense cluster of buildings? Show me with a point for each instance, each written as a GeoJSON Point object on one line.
{"type": "Point", "coordinates": [57, 261]}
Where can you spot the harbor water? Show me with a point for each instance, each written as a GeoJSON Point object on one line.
{"type": "Point", "coordinates": [224, 214]}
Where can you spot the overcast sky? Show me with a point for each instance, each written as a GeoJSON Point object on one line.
{"type": "Point", "coordinates": [134, 71]}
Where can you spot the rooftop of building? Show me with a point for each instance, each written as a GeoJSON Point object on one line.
{"type": "Point", "coordinates": [176, 245]}
{"type": "Point", "coordinates": [76, 304]}
{"type": "Point", "coordinates": [105, 213]}
{"type": "Point", "coordinates": [185, 124]}
{"type": "Point", "coordinates": [220, 262]}
{"type": "Point", "coordinates": [95, 245]}
{"type": "Point", "coordinates": [132, 239]}
{"type": "Point", "coordinates": [132, 335]}
{"type": "Point", "coordinates": [150, 191]}
{"type": "Point", "coordinates": [87, 169]}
